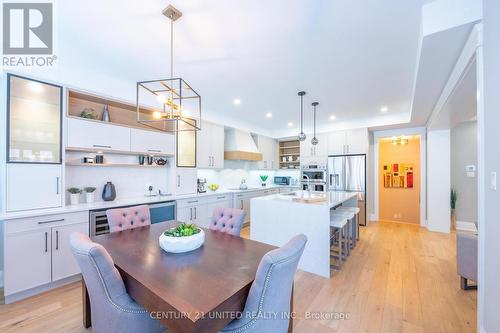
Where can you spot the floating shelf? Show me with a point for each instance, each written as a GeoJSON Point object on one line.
{"type": "Point", "coordinates": [103, 165]}
{"type": "Point", "coordinates": [118, 152]}
{"type": "Point", "coordinates": [290, 148]}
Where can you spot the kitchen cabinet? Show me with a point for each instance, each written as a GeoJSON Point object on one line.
{"type": "Point", "coordinates": [199, 210]}
{"type": "Point", "coordinates": [95, 135]}
{"type": "Point", "coordinates": [186, 145]}
{"type": "Point", "coordinates": [210, 146]}
{"type": "Point", "coordinates": [63, 261]}
{"type": "Point", "coordinates": [33, 186]}
{"type": "Point", "coordinates": [307, 149]}
{"type": "Point", "coordinates": [243, 201]}
{"type": "Point", "coordinates": [34, 113]}
{"type": "Point", "coordinates": [153, 142]}
{"type": "Point", "coordinates": [186, 181]}
{"type": "Point", "coordinates": [348, 142]}
{"type": "Point", "coordinates": [37, 250]}
{"type": "Point", "coordinates": [268, 147]}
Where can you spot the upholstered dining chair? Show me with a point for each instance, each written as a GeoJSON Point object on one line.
{"type": "Point", "coordinates": [128, 218]}
{"type": "Point", "coordinates": [228, 220]}
{"type": "Point", "coordinates": [271, 291]}
{"type": "Point", "coordinates": [113, 310]}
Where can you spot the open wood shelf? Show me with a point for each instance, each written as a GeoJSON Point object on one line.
{"type": "Point", "coordinates": [103, 165]}
{"type": "Point", "coordinates": [118, 152]}
{"type": "Point", "coordinates": [290, 149]}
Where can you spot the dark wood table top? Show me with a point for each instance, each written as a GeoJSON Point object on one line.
{"type": "Point", "coordinates": [214, 278]}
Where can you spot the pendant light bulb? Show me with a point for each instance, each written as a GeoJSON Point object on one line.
{"type": "Point", "coordinates": [302, 135]}
{"type": "Point", "coordinates": [314, 140]}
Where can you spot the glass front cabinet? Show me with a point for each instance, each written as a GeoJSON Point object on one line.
{"type": "Point", "coordinates": [34, 144]}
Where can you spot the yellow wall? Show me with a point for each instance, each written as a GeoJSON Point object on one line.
{"type": "Point", "coordinates": [400, 204]}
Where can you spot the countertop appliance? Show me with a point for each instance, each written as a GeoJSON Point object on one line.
{"type": "Point", "coordinates": [348, 173]}
{"type": "Point", "coordinates": [315, 176]}
{"type": "Point", "coordinates": [160, 212]}
{"type": "Point", "coordinates": [202, 185]}
{"type": "Point", "coordinates": [282, 180]}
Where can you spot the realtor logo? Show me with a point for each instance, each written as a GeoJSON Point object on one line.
{"type": "Point", "coordinates": [27, 28]}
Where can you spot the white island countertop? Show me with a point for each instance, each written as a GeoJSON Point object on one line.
{"type": "Point", "coordinates": [275, 219]}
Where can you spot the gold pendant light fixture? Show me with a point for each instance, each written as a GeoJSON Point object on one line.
{"type": "Point", "coordinates": [314, 140]}
{"type": "Point", "coordinates": [170, 105]}
{"type": "Point", "coordinates": [302, 135]}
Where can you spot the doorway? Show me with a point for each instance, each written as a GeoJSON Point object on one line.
{"type": "Point", "coordinates": [399, 178]}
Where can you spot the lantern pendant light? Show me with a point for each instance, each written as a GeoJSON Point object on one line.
{"type": "Point", "coordinates": [314, 140]}
{"type": "Point", "coordinates": [302, 135]}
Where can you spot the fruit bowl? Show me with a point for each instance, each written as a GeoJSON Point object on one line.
{"type": "Point", "coordinates": [183, 238]}
{"type": "Point", "coordinates": [213, 187]}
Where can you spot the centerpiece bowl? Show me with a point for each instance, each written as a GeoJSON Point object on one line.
{"type": "Point", "coordinates": [183, 238]}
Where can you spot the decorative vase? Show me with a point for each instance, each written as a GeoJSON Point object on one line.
{"type": "Point", "coordinates": [74, 198]}
{"type": "Point", "coordinates": [105, 114]}
{"type": "Point", "coordinates": [109, 192]}
{"type": "Point", "coordinates": [453, 220]}
{"type": "Point", "coordinates": [89, 197]}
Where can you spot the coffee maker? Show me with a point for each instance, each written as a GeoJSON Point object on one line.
{"type": "Point", "coordinates": [202, 185]}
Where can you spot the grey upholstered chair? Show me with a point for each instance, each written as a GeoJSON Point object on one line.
{"type": "Point", "coordinates": [228, 220]}
{"type": "Point", "coordinates": [271, 291]}
{"type": "Point", "coordinates": [467, 258]}
{"type": "Point", "coordinates": [112, 308]}
{"type": "Point", "coordinates": [128, 218]}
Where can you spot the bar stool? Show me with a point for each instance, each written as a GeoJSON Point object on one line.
{"type": "Point", "coordinates": [355, 224]}
{"type": "Point", "coordinates": [338, 226]}
{"type": "Point", "coordinates": [350, 239]}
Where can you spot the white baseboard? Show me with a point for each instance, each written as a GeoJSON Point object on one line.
{"type": "Point", "coordinates": [466, 226]}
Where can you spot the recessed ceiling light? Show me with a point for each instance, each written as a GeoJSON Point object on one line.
{"type": "Point", "coordinates": [236, 101]}
{"type": "Point", "coordinates": [290, 124]}
{"type": "Point", "coordinates": [269, 115]}
{"type": "Point", "coordinates": [384, 109]}
{"type": "Point", "coordinates": [332, 117]}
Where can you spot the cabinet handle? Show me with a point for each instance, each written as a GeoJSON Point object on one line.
{"type": "Point", "coordinates": [51, 221]}
{"type": "Point", "coordinates": [57, 185]}
{"type": "Point", "coordinates": [101, 146]}
{"type": "Point", "coordinates": [191, 213]}
{"type": "Point", "coordinates": [57, 240]}
{"type": "Point", "coordinates": [221, 198]}
{"type": "Point", "coordinates": [193, 201]}
{"type": "Point", "coordinates": [241, 204]}
{"type": "Point", "coordinates": [46, 241]}
{"type": "Point", "coordinates": [154, 150]}
{"type": "Point", "coordinates": [178, 181]}
{"type": "Point", "coordinates": [195, 213]}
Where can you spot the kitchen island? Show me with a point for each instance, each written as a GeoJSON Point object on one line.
{"type": "Point", "coordinates": [275, 219]}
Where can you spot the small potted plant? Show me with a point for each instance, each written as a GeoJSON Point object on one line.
{"type": "Point", "coordinates": [263, 178]}
{"type": "Point", "coordinates": [453, 202]}
{"type": "Point", "coordinates": [74, 195]}
{"type": "Point", "coordinates": [183, 238]}
{"type": "Point", "coordinates": [89, 194]}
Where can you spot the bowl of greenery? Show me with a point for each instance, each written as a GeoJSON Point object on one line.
{"type": "Point", "coordinates": [183, 238]}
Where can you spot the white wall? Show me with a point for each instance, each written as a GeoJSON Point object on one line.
{"type": "Point", "coordinates": [438, 180]}
{"type": "Point", "coordinates": [489, 161]}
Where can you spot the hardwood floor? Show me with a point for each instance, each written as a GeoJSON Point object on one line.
{"type": "Point", "coordinates": [400, 278]}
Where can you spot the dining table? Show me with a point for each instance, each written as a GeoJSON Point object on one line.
{"type": "Point", "coordinates": [197, 291]}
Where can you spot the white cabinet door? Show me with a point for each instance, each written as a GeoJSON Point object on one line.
{"type": "Point", "coordinates": [185, 214]}
{"type": "Point", "coordinates": [357, 141]}
{"type": "Point", "coordinates": [152, 142]}
{"type": "Point", "coordinates": [186, 181]}
{"type": "Point", "coordinates": [306, 148]}
{"type": "Point", "coordinates": [27, 264]}
{"type": "Point", "coordinates": [217, 146]}
{"type": "Point", "coordinates": [33, 186]}
{"type": "Point", "coordinates": [268, 148]}
{"type": "Point", "coordinates": [203, 149]}
{"type": "Point", "coordinates": [63, 262]}
{"type": "Point", "coordinates": [337, 143]}
{"type": "Point", "coordinates": [321, 149]}
{"type": "Point", "coordinates": [94, 135]}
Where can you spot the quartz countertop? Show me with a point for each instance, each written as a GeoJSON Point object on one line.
{"type": "Point", "coordinates": [125, 202]}
{"type": "Point", "coordinates": [332, 198]}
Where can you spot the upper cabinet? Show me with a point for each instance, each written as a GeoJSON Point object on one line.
{"type": "Point", "coordinates": [97, 135]}
{"type": "Point", "coordinates": [268, 147]}
{"type": "Point", "coordinates": [210, 146]}
{"type": "Point", "coordinates": [307, 149]}
{"type": "Point", "coordinates": [186, 146]}
{"type": "Point", "coordinates": [348, 142]}
{"type": "Point", "coordinates": [34, 111]}
{"type": "Point", "coordinates": [152, 142]}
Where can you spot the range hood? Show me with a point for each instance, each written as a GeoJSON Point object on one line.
{"type": "Point", "coordinates": [239, 145]}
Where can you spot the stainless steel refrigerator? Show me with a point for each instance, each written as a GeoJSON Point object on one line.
{"type": "Point", "coordinates": [348, 173]}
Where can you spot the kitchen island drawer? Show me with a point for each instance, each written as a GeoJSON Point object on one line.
{"type": "Point", "coordinates": [46, 221]}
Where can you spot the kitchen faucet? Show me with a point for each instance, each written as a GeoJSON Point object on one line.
{"type": "Point", "coordinates": [308, 183]}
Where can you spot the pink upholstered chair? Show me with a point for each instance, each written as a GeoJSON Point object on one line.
{"type": "Point", "coordinates": [128, 218]}
{"type": "Point", "coordinates": [228, 220]}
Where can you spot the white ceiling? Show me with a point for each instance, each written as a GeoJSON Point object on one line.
{"type": "Point", "coordinates": [353, 56]}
